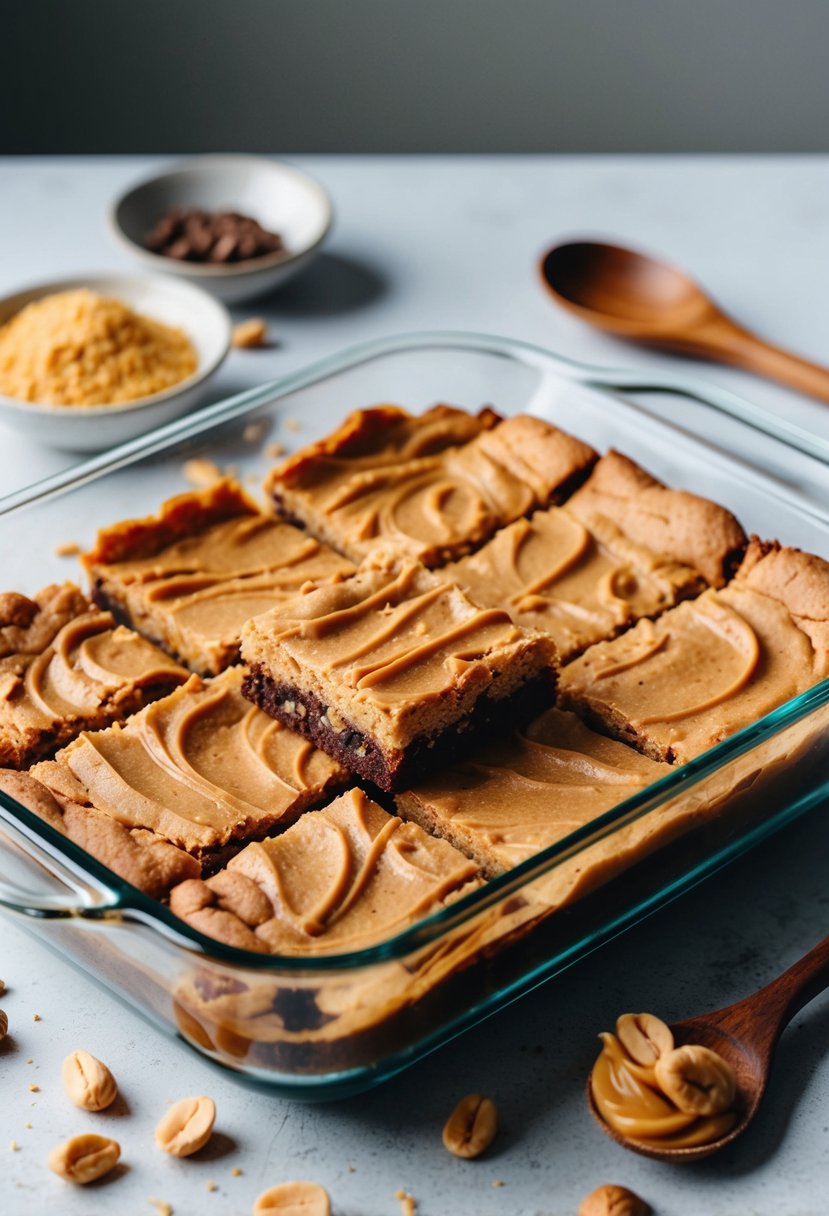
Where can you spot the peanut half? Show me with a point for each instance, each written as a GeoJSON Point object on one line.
{"type": "Point", "coordinates": [697, 1080]}
{"type": "Point", "coordinates": [644, 1037]}
{"type": "Point", "coordinates": [186, 1127]}
{"type": "Point", "coordinates": [84, 1158]}
{"type": "Point", "coordinates": [471, 1127]}
{"type": "Point", "coordinates": [293, 1199]}
{"type": "Point", "coordinates": [613, 1200]}
{"type": "Point", "coordinates": [88, 1081]}
{"type": "Point", "coordinates": [4, 1025]}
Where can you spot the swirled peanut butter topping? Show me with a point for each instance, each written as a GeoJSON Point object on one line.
{"type": "Point", "coordinates": [578, 584]}
{"type": "Point", "coordinates": [194, 594]}
{"type": "Point", "coordinates": [665, 1097]}
{"type": "Point", "coordinates": [433, 505]}
{"type": "Point", "coordinates": [699, 673]}
{"type": "Point", "coordinates": [201, 767]}
{"type": "Point", "coordinates": [398, 646]}
{"type": "Point", "coordinates": [517, 797]}
{"type": "Point", "coordinates": [91, 673]}
{"type": "Point", "coordinates": [339, 879]}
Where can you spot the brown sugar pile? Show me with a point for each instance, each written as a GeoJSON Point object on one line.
{"type": "Point", "coordinates": [79, 348]}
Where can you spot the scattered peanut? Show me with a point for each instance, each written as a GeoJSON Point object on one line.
{"type": "Point", "coordinates": [186, 1127]}
{"type": "Point", "coordinates": [408, 1203]}
{"type": "Point", "coordinates": [471, 1127]}
{"type": "Point", "coordinates": [293, 1199]}
{"type": "Point", "coordinates": [4, 1025]}
{"type": "Point", "coordinates": [2, 987]}
{"type": "Point", "coordinates": [84, 1158]}
{"type": "Point", "coordinates": [70, 548]}
{"type": "Point", "coordinates": [34, 1089]}
{"type": "Point", "coordinates": [613, 1201]}
{"type": "Point", "coordinates": [88, 1081]}
{"type": "Point", "coordinates": [249, 334]}
{"type": "Point", "coordinates": [644, 1037]}
{"type": "Point", "coordinates": [275, 450]}
{"type": "Point", "coordinates": [697, 1080]}
{"type": "Point", "coordinates": [292, 424]}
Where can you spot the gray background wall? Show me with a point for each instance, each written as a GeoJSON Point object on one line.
{"type": "Point", "coordinates": [413, 75]}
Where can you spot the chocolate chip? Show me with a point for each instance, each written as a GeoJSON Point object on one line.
{"type": "Point", "coordinates": [192, 235]}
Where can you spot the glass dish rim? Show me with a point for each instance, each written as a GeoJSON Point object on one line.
{"type": "Point", "coordinates": [130, 904]}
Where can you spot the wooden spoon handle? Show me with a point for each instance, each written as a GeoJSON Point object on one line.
{"type": "Point", "coordinates": [744, 349]}
{"type": "Point", "coordinates": [770, 1010]}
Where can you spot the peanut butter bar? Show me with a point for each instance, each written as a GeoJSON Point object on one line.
{"type": "Point", "coordinates": [65, 667]}
{"type": "Point", "coordinates": [146, 860]}
{"type": "Point", "coordinates": [393, 667]}
{"type": "Point", "coordinates": [585, 572]}
{"type": "Point", "coordinates": [340, 879]}
{"type": "Point", "coordinates": [516, 797]}
{"type": "Point", "coordinates": [202, 768]}
{"type": "Point", "coordinates": [431, 487]}
{"type": "Point", "coordinates": [676, 686]}
{"type": "Point", "coordinates": [189, 577]}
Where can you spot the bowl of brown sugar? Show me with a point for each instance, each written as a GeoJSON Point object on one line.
{"type": "Point", "coordinates": [237, 225]}
{"type": "Point", "coordinates": [89, 363]}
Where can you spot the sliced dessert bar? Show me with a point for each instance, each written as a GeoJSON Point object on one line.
{"type": "Point", "coordinates": [676, 686]}
{"type": "Point", "coordinates": [340, 879]}
{"type": "Point", "coordinates": [146, 860]}
{"type": "Point", "coordinates": [586, 571]}
{"type": "Point", "coordinates": [363, 488]}
{"type": "Point", "coordinates": [535, 787]}
{"type": "Point", "coordinates": [392, 668]}
{"type": "Point", "coordinates": [202, 768]}
{"type": "Point", "coordinates": [66, 667]}
{"type": "Point", "coordinates": [190, 576]}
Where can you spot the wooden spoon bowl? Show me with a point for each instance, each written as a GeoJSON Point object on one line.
{"type": "Point", "coordinates": [634, 296]}
{"type": "Point", "coordinates": [745, 1035]}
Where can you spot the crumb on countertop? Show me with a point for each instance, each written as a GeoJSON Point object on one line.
{"type": "Point", "coordinates": [69, 548]}
{"type": "Point", "coordinates": [248, 335]}
{"type": "Point", "coordinates": [274, 450]}
{"type": "Point", "coordinates": [291, 424]}
{"type": "Point", "coordinates": [201, 472]}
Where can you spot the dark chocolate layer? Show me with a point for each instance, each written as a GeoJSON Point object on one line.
{"type": "Point", "coordinates": [394, 770]}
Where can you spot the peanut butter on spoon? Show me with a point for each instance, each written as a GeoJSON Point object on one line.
{"type": "Point", "coordinates": [654, 1094]}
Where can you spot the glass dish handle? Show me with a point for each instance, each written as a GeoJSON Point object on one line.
{"type": "Point", "coordinates": [34, 881]}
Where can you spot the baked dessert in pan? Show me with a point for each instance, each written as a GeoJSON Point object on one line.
{"type": "Point", "coordinates": [421, 486]}
{"type": "Point", "coordinates": [202, 767]}
{"type": "Point", "coordinates": [66, 667]}
{"type": "Point", "coordinates": [623, 547]}
{"type": "Point", "coordinates": [676, 686]}
{"type": "Point", "coordinates": [189, 577]}
{"type": "Point", "coordinates": [396, 670]}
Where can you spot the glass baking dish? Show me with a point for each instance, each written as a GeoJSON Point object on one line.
{"type": "Point", "coordinates": [337, 1024]}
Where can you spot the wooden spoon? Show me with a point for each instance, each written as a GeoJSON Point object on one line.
{"type": "Point", "coordinates": [636, 297]}
{"type": "Point", "coordinates": [745, 1035]}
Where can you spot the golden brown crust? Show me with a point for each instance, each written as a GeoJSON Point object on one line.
{"type": "Point", "coordinates": [681, 525]}
{"type": "Point", "coordinates": [177, 518]}
{"type": "Point", "coordinates": [390, 434]}
{"type": "Point", "coordinates": [142, 858]}
{"type": "Point", "coordinates": [547, 459]}
{"type": "Point", "coordinates": [798, 580]}
{"type": "Point", "coordinates": [28, 626]}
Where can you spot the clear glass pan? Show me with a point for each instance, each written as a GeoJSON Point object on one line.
{"type": "Point", "coordinates": [340, 1023]}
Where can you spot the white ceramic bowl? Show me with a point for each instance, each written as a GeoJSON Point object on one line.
{"type": "Point", "coordinates": [281, 198]}
{"type": "Point", "coordinates": [90, 428]}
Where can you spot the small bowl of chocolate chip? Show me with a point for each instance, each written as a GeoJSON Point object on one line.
{"type": "Point", "coordinates": [238, 225]}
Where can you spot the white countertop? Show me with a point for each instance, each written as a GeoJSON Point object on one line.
{"type": "Point", "coordinates": [433, 243]}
